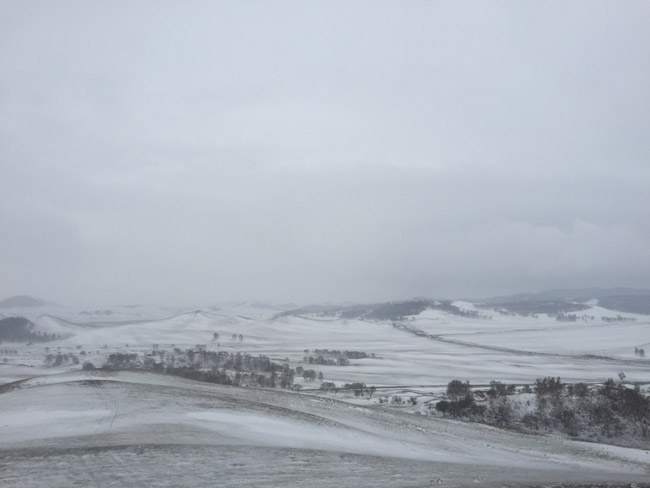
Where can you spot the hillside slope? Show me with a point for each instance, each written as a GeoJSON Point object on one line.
{"type": "Point", "coordinates": [85, 427]}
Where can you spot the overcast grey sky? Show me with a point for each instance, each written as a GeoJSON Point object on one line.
{"type": "Point", "coordinates": [308, 151]}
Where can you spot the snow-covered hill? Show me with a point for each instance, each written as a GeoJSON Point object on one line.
{"type": "Point", "coordinates": [130, 428]}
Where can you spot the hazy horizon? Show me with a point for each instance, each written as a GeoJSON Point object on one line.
{"type": "Point", "coordinates": [159, 152]}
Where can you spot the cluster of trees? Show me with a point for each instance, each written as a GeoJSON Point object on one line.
{"type": "Point", "coordinates": [614, 410]}
{"type": "Point", "coordinates": [350, 314]}
{"type": "Point", "coordinates": [360, 389]}
{"type": "Point", "coordinates": [400, 310]}
{"type": "Point", "coordinates": [460, 401]}
{"type": "Point", "coordinates": [618, 318]}
{"type": "Point", "coordinates": [213, 367]}
{"type": "Point", "coordinates": [20, 329]}
{"type": "Point", "coordinates": [9, 352]}
{"type": "Point", "coordinates": [639, 352]}
{"type": "Point", "coordinates": [548, 386]}
{"type": "Point", "coordinates": [200, 358]}
{"type": "Point", "coordinates": [341, 354]}
{"type": "Point", "coordinates": [119, 360]}
{"type": "Point", "coordinates": [398, 400]}
{"type": "Point", "coordinates": [532, 308]}
{"type": "Point", "coordinates": [323, 361]}
{"type": "Point", "coordinates": [223, 377]}
{"type": "Point", "coordinates": [449, 307]}
{"type": "Point", "coordinates": [309, 374]}
{"type": "Point", "coordinates": [562, 317]}
{"type": "Point", "coordinates": [333, 357]}
{"type": "Point", "coordinates": [381, 311]}
{"type": "Point", "coordinates": [234, 337]}
{"type": "Point", "coordinates": [328, 386]}
{"type": "Point", "coordinates": [396, 311]}
{"type": "Point", "coordinates": [61, 359]}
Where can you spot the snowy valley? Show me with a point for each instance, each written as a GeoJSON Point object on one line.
{"type": "Point", "coordinates": [250, 394]}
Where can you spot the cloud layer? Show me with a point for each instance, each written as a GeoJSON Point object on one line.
{"type": "Point", "coordinates": [157, 151]}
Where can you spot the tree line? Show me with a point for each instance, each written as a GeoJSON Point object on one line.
{"type": "Point", "coordinates": [20, 329]}
{"type": "Point", "coordinates": [614, 410]}
{"type": "Point", "coordinates": [333, 357]}
{"type": "Point", "coordinates": [219, 367]}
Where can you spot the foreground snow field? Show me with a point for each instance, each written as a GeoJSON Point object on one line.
{"type": "Point", "coordinates": [63, 427]}
{"type": "Point", "coordinates": [100, 428]}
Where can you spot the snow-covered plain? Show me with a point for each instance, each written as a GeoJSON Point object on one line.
{"type": "Point", "coordinates": [503, 348]}
{"type": "Point", "coordinates": [60, 426]}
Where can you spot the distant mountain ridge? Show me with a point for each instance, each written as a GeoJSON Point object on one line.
{"type": "Point", "coordinates": [631, 300]}
{"type": "Point", "coordinates": [23, 301]}
{"type": "Point", "coordinates": [382, 311]}
{"type": "Point", "coordinates": [553, 302]}
{"type": "Point", "coordinates": [577, 294]}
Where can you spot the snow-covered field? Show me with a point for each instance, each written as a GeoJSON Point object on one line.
{"type": "Point", "coordinates": [504, 348]}
{"type": "Point", "coordinates": [129, 428]}
{"type": "Point", "coordinates": [62, 426]}
{"type": "Point", "coordinates": [544, 334]}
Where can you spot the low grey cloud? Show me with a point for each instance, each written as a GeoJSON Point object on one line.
{"type": "Point", "coordinates": [291, 151]}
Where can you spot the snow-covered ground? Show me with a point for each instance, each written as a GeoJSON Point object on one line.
{"type": "Point", "coordinates": [97, 423]}
{"type": "Point", "coordinates": [83, 427]}
{"type": "Point", "coordinates": [510, 349]}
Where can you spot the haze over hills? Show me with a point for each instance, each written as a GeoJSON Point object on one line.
{"type": "Point", "coordinates": [579, 294]}
{"type": "Point", "coordinates": [24, 301]}
{"type": "Point", "coordinates": [635, 300]}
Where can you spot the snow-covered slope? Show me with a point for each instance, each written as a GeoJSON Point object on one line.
{"type": "Point", "coordinates": [88, 427]}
